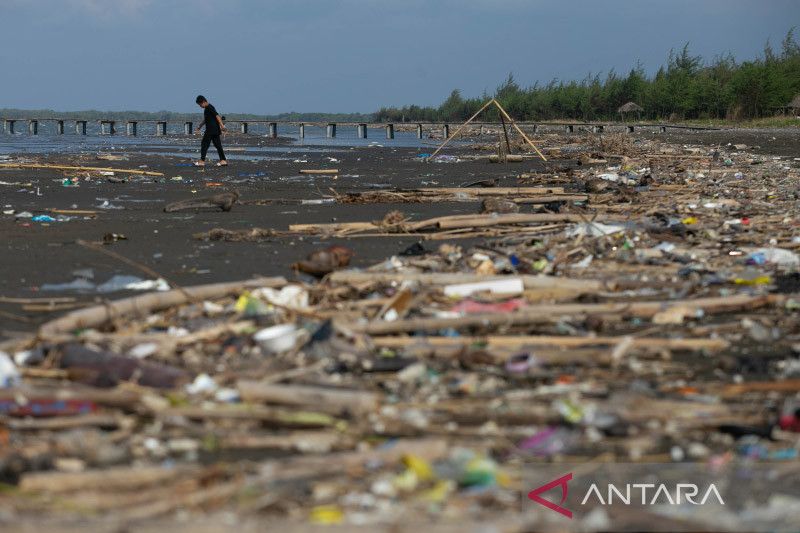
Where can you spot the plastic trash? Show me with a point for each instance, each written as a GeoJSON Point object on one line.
{"type": "Point", "coordinates": [594, 229]}
{"type": "Point", "coordinates": [291, 296]}
{"type": "Point", "coordinates": [775, 256]}
{"type": "Point", "coordinates": [276, 339]}
{"type": "Point", "coordinates": [9, 375]}
{"type": "Point", "coordinates": [504, 286]}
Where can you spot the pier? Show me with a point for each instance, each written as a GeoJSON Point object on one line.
{"type": "Point", "coordinates": [272, 128]}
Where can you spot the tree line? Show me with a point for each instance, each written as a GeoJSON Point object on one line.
{"type": "Point", "coordinates": [686, 88]}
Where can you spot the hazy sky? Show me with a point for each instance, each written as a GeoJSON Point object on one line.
{"type": "Point", "coordinates": [269, 56]}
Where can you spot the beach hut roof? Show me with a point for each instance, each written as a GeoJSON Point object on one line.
{"type": "Point", "coordinates": [630, 106]}
{"type": "Point", "coordinates": [795, 103]}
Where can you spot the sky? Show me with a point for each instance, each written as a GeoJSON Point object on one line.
{"type": "Point", "coordinates": [272, 56]}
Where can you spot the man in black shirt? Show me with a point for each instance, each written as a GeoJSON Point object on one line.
{"type": "Point", "coordinates": [214, 127]}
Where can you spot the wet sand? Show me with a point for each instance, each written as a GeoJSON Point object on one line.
{"type": "Point", "coordinates": [34, 253]}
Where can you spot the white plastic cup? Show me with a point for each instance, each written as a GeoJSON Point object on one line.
{"type": "Point", "coordinates": [276, 339]}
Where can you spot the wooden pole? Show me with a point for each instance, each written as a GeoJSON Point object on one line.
{"type": "Point", "coordinates": [505, 134]}
{"type": "Point", "coordinates": [503, 112]}
{"type": "Point", "coordinates": [78, 169]}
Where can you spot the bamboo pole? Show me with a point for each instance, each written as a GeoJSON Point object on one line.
{"type": "Point", "coordinates": [449, 278]}
{"type": "Point", "coordinates": [327, 399]}
{"type": "Point", "coordinates": [320, 171]}
{"type": "Point", "coordinates": [517, 341]}
{"type": "Point", "coordinates": [545, 313]}
{"type": "Point", "coordinates": [146, 303]}
{"type": "Point", "coordinates": [503, 111]}
{"type": "Point", "coordinates": [79, 169]}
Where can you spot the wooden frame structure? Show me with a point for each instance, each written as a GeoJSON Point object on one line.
{"type": "Point", "coordinates": [504, 116]}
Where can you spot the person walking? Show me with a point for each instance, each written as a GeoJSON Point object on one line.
{"type": "Point", "coordinates": [214, 128]}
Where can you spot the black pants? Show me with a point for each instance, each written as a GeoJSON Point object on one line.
{"type": "Point", "coordinates": [207, 140]}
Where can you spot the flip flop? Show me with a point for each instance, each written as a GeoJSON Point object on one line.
{"type": "Point", "coordinates": [222, 164]}
{"type": "Point", "coordinates": [198, 164]}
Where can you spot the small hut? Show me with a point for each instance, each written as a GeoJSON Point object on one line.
{"type": "Point", "coordinates": [794, 106]}
{"type": "Point", "coordinates": [630, 107]}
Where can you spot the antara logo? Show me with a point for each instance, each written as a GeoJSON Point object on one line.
{"type": "Point", "coordinates": [660, 495]}
{"type": "Point", "coordinates": [562, 481]}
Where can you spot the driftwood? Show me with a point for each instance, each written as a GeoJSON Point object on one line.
{"type": "Point", "coordinates": [545, 313]}
{"type": "Point", "coordinates": [316, 398]}
{"type": "Point", "coordinates": [120, 478]}
{"type": "Point", "coordinates": [320, 171]}
{"type": "Point", "coordinates": [240, 235]}
{"type": "Point", "coordinates": [147, 303]}
{"type": "Point", "coordinates": [80, 169]}
{"type": "Point", "coordinates": [518, 341]}
{"type": "Point", "coordinates": [435, 278]}
{"type": "Point", "coordinates": [223, 201]}
{"type": "Point", "coordinates": [441, 223]}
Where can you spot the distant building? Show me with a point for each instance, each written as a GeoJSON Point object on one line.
{"type": "Point", "coordinates": [630, 107]}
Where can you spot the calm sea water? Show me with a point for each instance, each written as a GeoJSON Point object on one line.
{"type": "Point", "coordinates": [176, 143]}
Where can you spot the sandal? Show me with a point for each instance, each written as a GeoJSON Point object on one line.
{"type": "Point", "coordinates": [222, 164]}
{"type": "Point", "coordinates": [199, 163]}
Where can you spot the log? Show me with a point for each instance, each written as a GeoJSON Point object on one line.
{"type": "Point", "coordinates": [79, 169]}
{"type": "Point", "coordinates": [518, 341]}
{"type": "Point", "coordinates": [146, 303]}
{"type": "Point", "coordinates": [315, 398]}
{"type": "Point", "coordinates": [118, 398]}
{"type": "Point", "coordinates": [491, 191]}
{"type": "Point", "coordinates": [119, 478]}
{"type": "Point", "coordinates": [785, 386]}
{"type": "Point", "coordinates": [545, 313]}
{"type": "Point", "coordinates": [223, 201]}
{"type": "Point", "coordinates": [275, 417]}
{"type": "Point", "coordinates": [61, 423]}
{"type": "Point", "coordinates": [319, 171]}
{"type": "Point", "coordinates": [530, 282]}
{"type": "Point", "coordinates": [447, 222]}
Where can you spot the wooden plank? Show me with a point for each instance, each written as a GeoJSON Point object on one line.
{"type": "Point", "coordinates": [79, 169]}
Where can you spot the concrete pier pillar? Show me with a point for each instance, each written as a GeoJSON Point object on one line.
{"type": "Point", "coordinates": [161, 128]}
{"type": "Point", "coordinates": [663, 129]}
{"type": "Point", "coordinates": [597, 129]}
{"type": "Point", "coordinates": [569, 128]}
{"type": "Point", "coordinates": [188, 128]}
{"type": "Point", "coordinates": [362, 131]}
{"type": "Point", "coordinates": [330, 131]}
{"type": "Point", "coordinates": [243, 127]}
{"type": "Point", "coordinates": [59, 127]}
{"type": "Point", "coordinates": [107, 127]}
{"type": "Point", "coordinates": [273, 129]}
{"type": "Point", "coordinates": [629, 129]}
{"type": "Point", "coordinates": [80, 127]}
{"type": "Point", "coordinates": [419, 131]}
{"type": "Point", "coordinates": [33, 127]}
{"type": "Point", "coordinates": [131, 127]}
{"type": "Point", "coordinates": [9, 126]}
{"type": "Point", "coordinates": [480, 131]}
{"type": "Point", "coordinates": [302, 131]}
{"type": "Point", "coordinates": [446, 131]}
{"type": "Point", "coordinates": [390, 131]}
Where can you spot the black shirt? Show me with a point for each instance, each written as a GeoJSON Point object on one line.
{"type": "Point", "coordinates": [210, 117]}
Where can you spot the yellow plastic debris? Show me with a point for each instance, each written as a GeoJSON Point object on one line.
{"type": "Point", "coordinates": [327, 514]}
{"type": "Point", "coordinates": [419, 466]}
